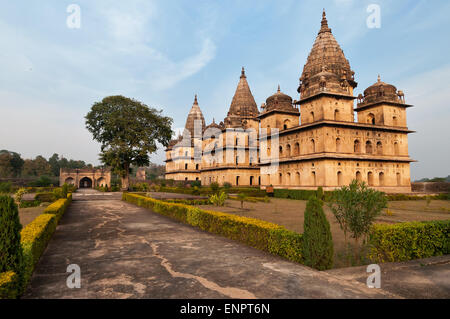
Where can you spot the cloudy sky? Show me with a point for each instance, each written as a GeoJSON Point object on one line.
{"type": "Point", "coordinates": [164, 52]}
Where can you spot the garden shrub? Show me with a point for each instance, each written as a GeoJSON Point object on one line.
{"type": "Point", "coordinates": [11, 255]}
{"type": "Point", "coordinates": [214, 187]}
{"type": "Point", "coordinates": [408, 241]}
{"type": "Point", "coordinates": [256, 233]}
{"type": "Point", "coordinates": [218, 199]}
{"type": "Point", "coordinates": [29, 203]}
{"type": "Point", "coordinates": [299, 194]}
{"type": "Point", "coordinates": [5, 187]}
{"type": "Point", "coordinates": [317, 240]}
{"type": "Point", "coordinates": [48, 197]}
{"type": "Point", "coordinates": [9, 283]}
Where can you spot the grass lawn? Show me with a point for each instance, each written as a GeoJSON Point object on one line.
{"type": "Point", "coordinates": [289, 213]}
{"type": "Point", "coordinates": [27, 215]}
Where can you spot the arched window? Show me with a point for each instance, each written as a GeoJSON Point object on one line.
{"type": "Point", "coordinates": [371, 118]}
{"type": "Point", "coordinates": [297, 149]}
{"type": "Point", "coordinates": [196, 167]}
{"type": "Point", "coordinates": [251, 180]}
{"type": "Point", "coordinates": [237, 180]}
{"type": "Point", "coordinates": [286, 124]}
{"type": "Point", "coordinates": [368, 147]}
{"type": "Point", "coordinates": [288, 179]}
{"type": "Point", "coordinates": [379, 148]}
{"type": "Point", "coordinates": [280, 179]}
{"type": "Point", "coordinates": [185, 178]}
{"type": "Point", "coordinates": [288, 150]}
{"type": "Point", "coordinates": [313, 176]}
{"type": "Point", "coordinates": [185, 166]}
{"type": "Point", "coordinates": [336, 115]}
{"type": "Point", "coordinates": [381, 179]}
{"type": "Point", "coordinates": [313, 146]}
{"type": "Point", "coordinates": [396, 149]}
{"type": "Point", "coordinates": [312, 116]}
{"type": "Point", "coordinates": [370, 178]}
{"type": "Point", "coordinates": [281, 150]}
{"type": "Point", "coordinates": [358, 176]}
{"type": "Point", "coordinates": [297, 178]}
{"type": "Point", "coordinates": [339, 178]}
{"type": "Point", "coordinates": [338, 145]}
{"type": "Point", "coordinates": [357, 146]}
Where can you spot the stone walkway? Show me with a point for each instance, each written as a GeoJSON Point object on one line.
{"type": "Point", "coordinates": [125, 251]}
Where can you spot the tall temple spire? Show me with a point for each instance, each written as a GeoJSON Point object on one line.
{"type": "Point", "coordinates": [243, 104]}
{"type": "Point", "coordinates": [194, 114]}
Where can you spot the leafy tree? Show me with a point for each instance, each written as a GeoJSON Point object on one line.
{"type": "Point", "coordinates": [128, 131]}
{"type": "Point", "coordinates": [11, 254]}
{"type": "Point", "coordinates": [355, 207]}
{"type": "Point", "coordinates": [53, 161]}
{"type": "Point", "coordinates": [317, 240]}
{"type": "Point", "coordinates": [10, 164]}
{"type": "Point", "coordinates": [242, 197]}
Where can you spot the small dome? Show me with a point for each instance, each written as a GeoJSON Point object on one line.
{"type": "Point", "coordinates": [213, 125]}
{"type": "Point", "coordinates": [381, 91]}
{"type": "Point", "coordinates": [279, 101]}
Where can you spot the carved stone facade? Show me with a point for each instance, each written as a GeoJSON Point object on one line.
{"type": "Point", "coordinates": [85, 178]}
{"type": "Point", "coordinates": [319, 142]}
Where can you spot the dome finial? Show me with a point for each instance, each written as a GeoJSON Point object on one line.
{"type": "Point", "coordinates": [243, 73]}
{"type": "Point", "coordinates": [324, 24]}
{"type": "Point", "coordinates": [195, 99]}
{"type": "Point", "coordinates": [278, 89]}
{"type": "Point", "coordinates": [379, 78]}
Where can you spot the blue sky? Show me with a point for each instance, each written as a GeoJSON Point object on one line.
{"type": "Point", "coordinates": [164, 52]}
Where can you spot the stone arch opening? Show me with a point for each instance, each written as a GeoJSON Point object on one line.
{"type": "Point", "coordinates": [312, 116]}
{"type": "Point", "coordinates": [286, 124]}
{"type": "Point", "coordinates": [358, 176]}
{"type": "Point", "coordinates": [338, 145]}
{"type": "Point", "coordinates": [251, 180]}
{"type": "Point", "coordinates": [297, 178]}
{"type": "Point", "coordinates": [340, 178]}
{"type": "Point", "coordinates": [396, 149]}
{"type": "Point", "coordinates": [381, 179]}
{"type": "Point", "coordinates": [370, 178]}
{"type": "Point", "coordinates": [380, 148]}
{"type": "Point", "coordinates": [288, 150]}
{"type": "Point", "coordinates": [101, 182]}
{"type": "Point", "coordinates": [69, 181]}
{"type": "Point", "coordinates": [297, 149]}
{"type": "Point", "coordinates": [313, 175]}
{"type": "Point", "coordinates": [371, 118]}
{"type": "Point", "coordinates": [85, 182]}
{"type": "Point", "coordinates": [288, 179]}
{"type": "Point", "coordinates": [336, 115]}
{"type": "Point", "coordinates": [368, 147]}
{"type": "Point", "coordinates": [357, 146]}
{"type": "Point", "coordinates": [313, 146]}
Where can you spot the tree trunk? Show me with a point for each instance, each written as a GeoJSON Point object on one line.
{"type": "Point", "coordinates": [125, 178]}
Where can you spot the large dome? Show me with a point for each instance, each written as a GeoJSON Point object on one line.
{"type": "Point", "coordinates": [380, 91]}
{"type": "Point", "coordinates": [326, 68]}
{"type": "Point", "coordinates": [279, 101]}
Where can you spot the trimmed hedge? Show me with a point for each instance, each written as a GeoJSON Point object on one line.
{"type": "Point", "coordinates": [398, 197]}
{"type": "Point", "coordinates": [407, 241]}
{"type": "Point", "coordinates": [249, 191]}
{"type": "Point", "coordinates": [9, 281]}
{"type": "Point", "coordinates": [253, 232]}
{"type": "Point", "coordinates": [45, 197]}
{"type": "Point", "coordinates": [34, 239]}
{"type": "Point", "coordinates": [194, 202]}
{"type": "Point", "coordinates": [298, 194]}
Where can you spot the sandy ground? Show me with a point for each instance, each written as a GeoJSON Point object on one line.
{"type": "Point", "coordinates": [289, 213]}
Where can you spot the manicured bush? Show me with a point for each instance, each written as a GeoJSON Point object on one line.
{"type": "Point", "coordinates": [48, 197]}
{"type": "Point", "coordinates": [59, 207]}
{"type": "Point", "coordinates": [317, 240]}
{"type": "Point", "coordinates": [214, 187]}
{"type": "Point", "coordinates": [9, 283]}
{"type": "Point", "coordinates": [11, 255]}
{"type": "Point", "coordinates": [35, 237]}
{"type": "Point", "coordinates": [5, 187]}
{"type": "Point", "coordinates": [256, 233]}
{"type": "Point", "coordinates": [408, 241]}
{"type": "Point", "coordinates": [298, 194]}
{"type": "Point", "coordinates": [193, 202]}
{"type": "Point", "coordinates": [402, 197]}
{"type": "Point", "coordinates": [218, 199]}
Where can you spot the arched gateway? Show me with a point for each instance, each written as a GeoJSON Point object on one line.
{"type": "Point", "coordinates": [85, 178]}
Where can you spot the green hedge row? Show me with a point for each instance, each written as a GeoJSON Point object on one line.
{"type": "Point", "coordinates": [398, 197]}
{"type": "Point", "coordinates": [34, 239]}
{"type": "Point", "coordinates": [298, 194]}
{"type": "Point", "coordinates": [194, 202]}
{"type": "Point", "coordinates": [249, 191]}
{"type": "Point", "coordinates": [408, 241]}
{"type": "Point", "coordinates": [253, 232]}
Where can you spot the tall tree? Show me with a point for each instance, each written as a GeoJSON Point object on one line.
{"type": "Point", "coordinates": [54, 164]}
{"type": "Point", "coordinates": [128, 131]}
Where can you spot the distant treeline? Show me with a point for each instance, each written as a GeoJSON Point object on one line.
{"type": "Point", "coordinates": [12, 165]}
{"type": "Point", "coordinates": [435, 179]}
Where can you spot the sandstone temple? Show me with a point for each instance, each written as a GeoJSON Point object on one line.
{"type": "Point", "coordinates": [302, 144]}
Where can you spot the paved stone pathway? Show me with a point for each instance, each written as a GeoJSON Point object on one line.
{"type": "Point", "coordinates": [125, 251]}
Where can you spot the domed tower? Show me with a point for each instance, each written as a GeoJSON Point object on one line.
{"type": "Point", "coordinates": [327, 81]}
{"type": "Point", "coordinates": [279, 112]}
{"type": "Point", "coordinates": [243, 110]}
{"type": "Point", "coordinates": [382, 104]}
{"type": "Point", "coordinates": [195, 114]}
